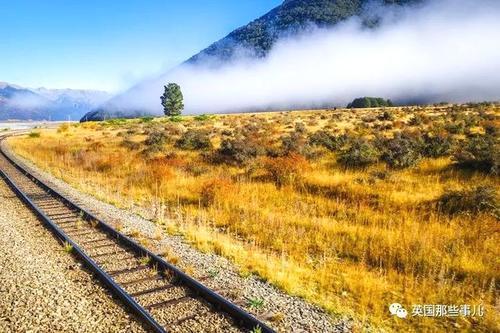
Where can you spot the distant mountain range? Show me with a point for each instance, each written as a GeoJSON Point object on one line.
{"type": "Point", "coordinates": [20, 103]}
{"type": "Point", "coordinates": [255, 40]}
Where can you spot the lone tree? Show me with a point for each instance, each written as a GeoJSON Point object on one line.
{"type": "Point", "coordinates": [172, 100]}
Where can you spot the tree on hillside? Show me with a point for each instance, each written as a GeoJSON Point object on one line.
{"type": "Point", "coordinates": [172, 100]}
{"type": "Point", "coordinates": [369, 102]}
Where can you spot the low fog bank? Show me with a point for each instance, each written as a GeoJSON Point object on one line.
{"type": "Point", "coordinates": [26, 101]}
{"type": "Point", "coordinates": [440, 51]}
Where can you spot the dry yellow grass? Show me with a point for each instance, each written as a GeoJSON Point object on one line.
{"type": "Point", "coordinates": [347, 240]}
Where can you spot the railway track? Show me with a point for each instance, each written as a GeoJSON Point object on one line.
{"type": "Point", "coordinates": [163, 297]}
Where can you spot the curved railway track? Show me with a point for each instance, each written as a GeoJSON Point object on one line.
{"type": "Point", "coordinates": [163, 297]}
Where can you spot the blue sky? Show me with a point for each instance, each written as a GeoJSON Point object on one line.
{"type": "Point", "coordinates": [110, 45]}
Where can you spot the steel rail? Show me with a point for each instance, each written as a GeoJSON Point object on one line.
{"type": "Point", "coordinates": [241, 317]}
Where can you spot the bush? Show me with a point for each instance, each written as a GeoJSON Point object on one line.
{"type": "Point", "coordinates": [327, 140]}
{"type": "Point", "coordinates": [156, 138]}
{"type": "Point", "coordinates": [285, 169]}
{"type": "Point", "coordinates": [146, 119]}
{"type": "Point", "coordinates": [416, 120]}
{"type": "Point", "coordinates": [359, 154]}
{"type": "Point", "coordinates": [173, 129]}
{"type": "Point", "coordinates": [297, 143]}
{"type": "Point", "coordinates": [194, 140]}
{"type": "Point", "coordinates": [455, 128]}
{"type": "Point", "coordinates": [175, 119]}
{"type": "Point", "coordinates": [129, 144]}
{"type": "Point", "coordinates": [213, 188]}
{"type": "Point", "coordinates": [490, 128]}
{"type": "Point", "coordinates": [401, 152]}
{"type": "Point", "coordinates": [479, 153]}
{"type": "Point", "coordinates": [300, 128]}
{"type": "Point", "coordinates": [203, 117]}
{"type": "Point", "coordinates": [436, 145]}
{"type": "Point", "coordinates": [34, 134]}
{"type": "Point", "coordinates": [155, 141]}
{"type": "Point", "coordinates": [471, 201]}
{"type": "Point", "coordinates": [63, 128]}
{"type": "Point", "coordinates": [386, 115]}
{"type": "Point", "coordinates": [237, 151]}
{"type": "Point", "coordinates": [226, 132]}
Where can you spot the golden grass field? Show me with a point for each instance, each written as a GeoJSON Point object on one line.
{"type": "Point", "coordinates": [351, 239]}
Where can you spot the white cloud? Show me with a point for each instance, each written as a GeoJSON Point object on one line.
{"type": "Point", "coordinates": [445, 50]}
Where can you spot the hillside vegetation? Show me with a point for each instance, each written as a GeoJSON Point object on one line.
{"type": "Point", "coordinates": [290, 18]}
{"type": "Point", "coordinates": [369, 102]}
{"type": "Point", "coordinates": [352, 210]}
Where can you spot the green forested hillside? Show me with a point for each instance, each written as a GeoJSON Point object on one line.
{"type": "Point", "coordinates": [288, 18]}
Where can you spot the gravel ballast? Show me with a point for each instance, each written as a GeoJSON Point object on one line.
{"type": "Point", "coordinates": [43, 288]}
{"type": "Point", "coordinates": [295, 314]}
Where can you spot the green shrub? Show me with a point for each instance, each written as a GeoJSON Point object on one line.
{"type": "Point", "coordinates": [327, 140]}
{"type": "Point", "coordinates": [401, 152]}
{"type": "Point", "coordinates": [176, 119]}
{"type": "Point", "coordinates": [154, 142]}
{"type": "Point", "coordinates": [490, 128]}
{"type": "Point", "coordinates": [359, 154]}
{"type": "Point", "coordinates": [115, 122]}
{"type": "Point", "coordinates": [300, 128]}
{"type": "Point", "coordinates": [194, 140]}
{"type": "Point", "coordinates": [156, 138]}
{"type": "Point", "coordinates": [237, 151]}
{"type": "Point", "coordinates": [479, 153]}
{"type": "Point", "coordinates": [34, 134]}
{"type": "Point", "coordinates": [470, 201]}
{"type": "Point", "coordinates": [386, 115]}
{"type": "Point", "coordinates": [146, 119]}
{"type": "Point", "coordinates": [416, 120]}
{"type": "Point", "coordinates": [436, 145]}
{"type": "Point", "coordinates": [226, 132]}
{"type": "Point", "coordinates": [203, 117]}
{"type": "Point", "coordinates": [455, 128]}
{"type": "Point", "coordinates": [296, 143]}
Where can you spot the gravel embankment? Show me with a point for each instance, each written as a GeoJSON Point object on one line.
{"type": "Point", "coordinates": [283, 312]}
{"type": "Point", "coordinates": [43, 288]}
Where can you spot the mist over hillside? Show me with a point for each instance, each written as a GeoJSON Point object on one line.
{"type": "Point", "coordinates": [293, 17]}
{"type": "Point", "coordinates": [21, 103]}
{"type": "Point", "coordinates": [300, 56]}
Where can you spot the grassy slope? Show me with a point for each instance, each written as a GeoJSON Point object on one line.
{"type": "Point", "coordinates": [352, 241]}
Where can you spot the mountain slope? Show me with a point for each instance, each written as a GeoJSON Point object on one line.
{"type": "Point", "coordinates": [40, 104]}
{"type": "Point", "coordinates": [20, 103]}
{"type": "Point", "coordinates": [253, 40]}
{"type": "Point", "coordinates": [292, 17]}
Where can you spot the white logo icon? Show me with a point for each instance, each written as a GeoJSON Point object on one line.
{"type": "Point", "coordinates": [397, 310]}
